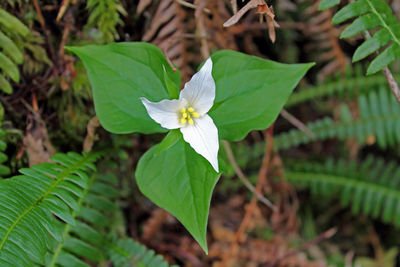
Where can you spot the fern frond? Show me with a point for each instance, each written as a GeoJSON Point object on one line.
{"type": "Point", "coordinates": [371, 187]}
{"type": "Point", "coordinates": [105, 17]}
{"type": "Point", "coordinates": [4, 170]}
{"type": "Point", "coordinates": [30, 203]}
{"type": "Point", "coordinates": [85, 239]}
{"type": "Point", "coordinates": [126, 253]}
{"type": "Point", "coordinates": [379, 117]}
{"type": "Point", "coordinates": [10, 54]}
{"type": "Point", "coordinates": [352, 84]}
{"type": "Point", "coordinates": [370, 14]}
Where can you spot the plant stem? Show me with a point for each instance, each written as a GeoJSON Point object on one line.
{"type": "Point", "coordinates": [243, 177]}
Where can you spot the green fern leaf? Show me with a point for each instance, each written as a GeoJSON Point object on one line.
{"type": "Point", "coordinates": [4, 170]}
{"type": "Point", "coordinates": [370, 14]}
{"type": "Point", "coordinates": [126, 253]}
{"type": "Point", "coordinates": [5, 86]}
{"type": "Point", "coordinates": [9, 67]}
{"type": "Point", "coordinates": [12, 23]}
{"type": "Point", "coordinates": [352, 84]}
{"type": "Point", "coordinates": [105, 17]}
{"type": "Point", "coordinates": [29, 202]}
{"type": "Point", "coordinates": [11, 49]}
{"type": "Point", "coordinates": [371, 187]}
{"type": "Point", "coordinates": [326, 4]}
{"type": "Point", "coordinates": [85, 239]}
{"type": "Point", "coordinates": [379, 117]}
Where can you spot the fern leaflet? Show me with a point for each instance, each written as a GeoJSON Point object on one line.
{"type": "Point", "coordinates": [371, 14]}
{"type": "Point", "coordinates": [126, 253]}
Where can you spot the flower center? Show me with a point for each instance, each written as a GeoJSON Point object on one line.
{"type": "Point", "coordinates": [187, 115]}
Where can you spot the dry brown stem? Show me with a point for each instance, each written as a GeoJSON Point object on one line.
{"type": "Point", "coordinates": [200, 27]}
{"type": "Point", "coordinates": [243, 178]}
{"type": "Point", "coordinates": [297, 123]}
{"type": "Point", "coordinates": [262, 10]}
{"type": "Point", "coordinates": [91, 134]}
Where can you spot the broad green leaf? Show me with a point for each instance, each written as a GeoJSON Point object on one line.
{"type": "Point", "coordinates": [170, 140]}
{"type": "Point", "coordinates": [250, 92]}
{"type": "Point", "coordinates": [121, 73]}
{"type": "Point", "coordinates": [172, 88]}
{"type": "Point", "coordinates": [180, 181]}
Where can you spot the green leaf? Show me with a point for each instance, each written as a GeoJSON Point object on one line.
{"type": "Point", "coordinates": [385, 58]}
{"type": "Point", "coordinates": [121, 73]}
{"type": "Point", "coordinates": [5, 85]}
{"type": "Point", "coordinates": [381, 38]}
{"type": "Point", "coordinates": [172, 87]}
{"type": "Point", "coordinates": [10, 48]}
{"type": "Point", "coordinates": [180, 181]}
{"type": "Point", "coordinates": [325, 4]}
{"type": "Point", "coordinates": [250, 92]}
{"type": "Point", "coordinates": [9, 67]}
{"type": "Point", "coordinates": [12, 23]}
{"type": "Point", "coordinates": [170, 140]}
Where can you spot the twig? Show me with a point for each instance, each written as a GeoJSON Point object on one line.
{"type": "Point", "coordinates": [296, 122]}
{"type": "Point", "coordinates": [190, 5]}
{"type": "Point", "coordinates": [200, 27]}
{"type": "Point", "coordinates": [45, 31]}
{"type": "Point", "coordinates": [63, 8]}
{"type": "Point", "coordinates": [325, 235]}
{"type": "Point", "coordinates": [392, 83]}
{"type": "Point", "coordinates": [243, 177]}
{"type": "Point", "coordinates": [234, 6]}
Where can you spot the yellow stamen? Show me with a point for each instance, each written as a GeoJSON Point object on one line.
{"type": "Point", "coordinates": [190, 120]}
{"type": "Point", "coordinates": [184, 115]}
{"type": "Point", "coordinates": [183, 121]}
{"type": "Point", "coordinates": [195, 114]}
{"type": "Point", "coordinates": [190, 109]}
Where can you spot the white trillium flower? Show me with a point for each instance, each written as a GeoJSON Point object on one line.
{"type": "Point", "coordinates": [189, 114]}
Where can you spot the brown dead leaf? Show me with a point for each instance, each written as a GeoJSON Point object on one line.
{"type": "Point", "coordinates": [36, 141]}
{"type": "Point", "coordinates": [142, 6]}
{"type": "Point", "coordinates": [153, 224]}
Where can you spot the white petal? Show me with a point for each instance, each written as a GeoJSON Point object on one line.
{"type": "Point", "coordinates": [203, 138]}
{"type": "Point", "coordinates": [165, 112]}
{"type": "Point", "coordinates": [200, 90]}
